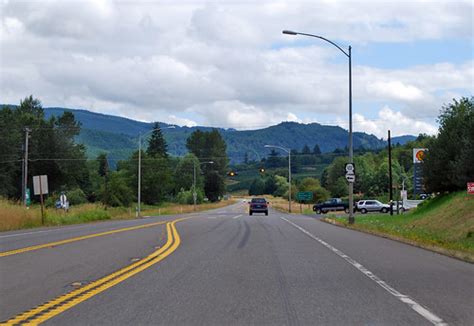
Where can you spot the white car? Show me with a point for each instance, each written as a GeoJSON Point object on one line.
{"type": "Point", "coordinates": [365, 206]}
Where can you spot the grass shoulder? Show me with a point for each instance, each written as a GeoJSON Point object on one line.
{"type": "Point", "coordinates": [444, 224]}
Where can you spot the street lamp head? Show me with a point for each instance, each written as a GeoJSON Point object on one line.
{"type": "Point", "coordinates": [268, 146]}
{"type": "Point", "coordinates": [289, 32]}
{"type": "Point", "coordinates": [211, 162]}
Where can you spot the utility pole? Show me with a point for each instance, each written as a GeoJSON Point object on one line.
{"type": "Point", "coordinates": [390, 172]}
{"type": "Point", "coordinates": [289, 180]}
{"type": "Point", "coordinates": [194, 185]}
{"type": "Point", "coordinates": [139, 190]}
{"type": "Point", "coordinates": [25, 176]}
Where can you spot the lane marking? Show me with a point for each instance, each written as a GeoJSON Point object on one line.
{"type": "Point", "coordinates": [67, 301]}
{"type": "Point", "coordinates": [42, 231]}
{"type": "Point", "coordinates": [84, 237]}
{"type": "Point", "coordinates": [424, 312]}
{"type": "Point", "coordinates": [237, 216]}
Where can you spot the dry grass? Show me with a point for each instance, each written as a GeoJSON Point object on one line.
{"type": "Point", "coordinates": [14, 216]}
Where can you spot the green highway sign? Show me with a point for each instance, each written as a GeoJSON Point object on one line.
{"type": "Point", "coordinates": [27, 197]}
{"type": "Point", "coordinates": [304, 195]}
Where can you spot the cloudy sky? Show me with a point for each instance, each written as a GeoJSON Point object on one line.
{"type": "Point", "coordinates": [227, 64]}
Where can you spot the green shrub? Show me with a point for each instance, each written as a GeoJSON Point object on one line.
{"type": "Point", "coordinates": [76, 197]}
{"type": "Point", "coordinates": [50, 200]}
{"type": "Point", "coordinates": [185, 197]}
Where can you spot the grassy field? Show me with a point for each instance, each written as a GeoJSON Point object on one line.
{"type": "Point", "coordinates": [13, 216]}
{"type": "Point", "coordinates": [444, 224]}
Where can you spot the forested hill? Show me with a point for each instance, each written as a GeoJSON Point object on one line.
{"type": "Point", "coordinates": [118, 136]}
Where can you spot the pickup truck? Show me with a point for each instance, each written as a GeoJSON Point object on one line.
{"type": "Point", "coordinates": [333, 204]}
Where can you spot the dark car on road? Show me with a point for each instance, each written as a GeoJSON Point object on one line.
{"type": "Point", "coordinates": [333, 204]}
{"type": "Point", "coordinates": [258, 205]}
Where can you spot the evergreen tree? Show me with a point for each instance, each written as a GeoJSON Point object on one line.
{"type": "Point", "coordinates": [273, 159]}
{"type": "Point", "coordinates": [52, 149]}
{"type": "Point", "coordinates": [104, 173]}
{"type": "Point", "coordinates": [305, 150]}
{"type": "Point", "coordinates": [316, 150]}
{"type": "Point", "coordinates": [210, 146]}
{"type": "Point", "coordinates": [156, 144]}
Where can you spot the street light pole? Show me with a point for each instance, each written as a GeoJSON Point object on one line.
{"type": "Point", "coordinates": [351, 147]}
{"type": "Point", "coordinates": [139, 190]}
{"type": "Point", "coordinates": [289, 171]}
{"type": "Point", "coordinates": [351, 152]}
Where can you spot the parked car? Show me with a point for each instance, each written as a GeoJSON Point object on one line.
{"type": "Point", "coordinates": [258, 205]}
{"type": "Point", "coordinates": [365, 206]}
{"type": "Point", "coordinates": [333, 204]}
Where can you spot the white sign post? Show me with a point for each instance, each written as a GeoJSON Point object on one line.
{"type": "Point", "coordinates": [40, 187]}
{"type": "Point", "coordinates": [350, 172]}
{"type": "Point", "coordinates": [350, 177]}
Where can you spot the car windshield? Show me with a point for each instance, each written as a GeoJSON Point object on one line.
{"type": "Point", "coordinates": [259, 200]}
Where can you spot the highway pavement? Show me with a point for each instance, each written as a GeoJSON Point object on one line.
{"type": "Point", "coordinates": [224, 267]}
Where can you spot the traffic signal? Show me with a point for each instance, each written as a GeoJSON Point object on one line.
{"type": "Point", "coordinates": [262, 170]}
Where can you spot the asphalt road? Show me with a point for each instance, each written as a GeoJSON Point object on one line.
{"type": "Point", "coordinates": [223, 267]}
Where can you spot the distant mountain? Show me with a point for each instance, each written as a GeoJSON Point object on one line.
{"type": "Point", "coordinates": [402, 140]}
{"type": "Point", "coordinates": [118, 136]}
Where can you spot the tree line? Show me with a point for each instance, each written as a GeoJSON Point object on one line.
{"type": "Point", "coordinates": [53, 152]}
{"type": "Point", "coordinates": [448, 164]}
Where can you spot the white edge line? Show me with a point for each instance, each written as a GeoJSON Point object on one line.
{"type": "Point", "coordinates": [42, 231]}
{"type": "Point", "coordinates": [425, 313]}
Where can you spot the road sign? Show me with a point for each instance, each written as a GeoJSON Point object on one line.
{"type": "Point", "coordinates": [419, 154]}
{"type": "Point", "coordinates": [28, 197]}
{"type": "Point", "coordinates": [40, 187]}
{"type": "Point", "coordinates": [470, 188]}
{"type": "Point", "coordinates": [304, 196]}
{"type": "Point", "coordinates": [350, 177]}
{"type": "Point", "coordinates": [40, 184]}
{"type": "Point", "coordinates": [350, 167]}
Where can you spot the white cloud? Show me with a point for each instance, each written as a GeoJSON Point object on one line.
{"type": "Point", "coordinates": [172, 119]}
{"type": "Point", "coordinates": [395, 90]}
{"type": "Point", "coordinates": [395, 121]}
{"type": "Point", "coordinates": [235, 114]}
{"type": "Point", "coordinates": [227, 62]}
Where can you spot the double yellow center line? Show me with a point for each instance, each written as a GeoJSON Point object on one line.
{"type": "Point", "coordinates": [64, 302]}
